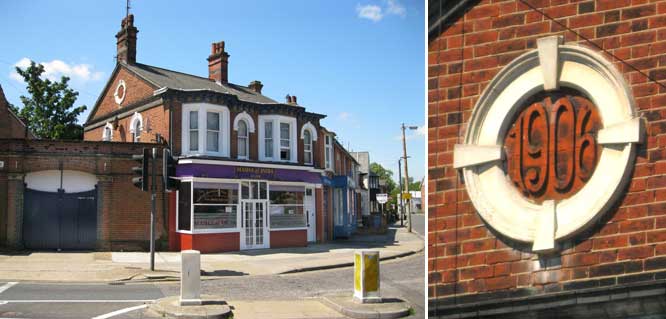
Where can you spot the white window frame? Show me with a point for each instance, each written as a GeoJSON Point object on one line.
{"type": "Point", "coordinates": [328, 150]}
{"type": "Point", "coordinates": [289, 141]}
{"type": "Point", "coordinates": [203, 109]}
{"type": "Point", "coordinates": [137, 119]}
{"type": "Point", "coordinates": [307, 148]}
{"type": "Point", "coordinates": [308, 127]}
{"type": "Point", "coordinates": [107, 137]}
{"type": "Point", "coordinates": [246, 138]}
{"type": "Point", "coordinates": [293, 146]}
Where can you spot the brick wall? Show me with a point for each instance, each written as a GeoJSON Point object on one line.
{"type": "Point", "coordinates": [124, 216]}
{"type": "Point", "coordinates": [137, 90]}
{"type": "Point", "coordinates": [10, 125]}
{"type": "Point", "coordinates": [467, 258]}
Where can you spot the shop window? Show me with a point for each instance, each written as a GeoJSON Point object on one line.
{"type": "Point", "coordinates": [307, 147]}
{"type": "Point", "coordinates": [215, 206]}
{"type": "Point", "coordinates": [242, 140]}
{"type": "Point", "coordinates": [286, 206]}
{"type": "Point", "coordinates": [184, 206]}
{"type": "Point", "coordinates": [253, 190]}
{"type": "Point", "coordinates": [338, 207]}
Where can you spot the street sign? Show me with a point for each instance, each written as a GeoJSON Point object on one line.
{"type": "Point", "coordinates": [382, 198]}
{"type": "Point", "coordinates": [406, 196]}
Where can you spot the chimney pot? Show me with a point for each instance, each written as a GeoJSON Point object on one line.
{"type": "Point", "coordinates": [288, 98]}
{"type": "Point", "coordinates": [293, 100]}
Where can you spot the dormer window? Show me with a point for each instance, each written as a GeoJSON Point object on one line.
{"type": "Point", "coordinates": [277, 138]}
{"type": "Point", "coordinates": [205, 129]}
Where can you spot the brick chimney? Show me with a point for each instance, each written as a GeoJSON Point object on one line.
{"type": "Point", "coordinates": [218, 63]}
{"type": "Point", "coordinates": [291, 99]}
{"type": "Point", "coordinates": [126, 41]}
{"type": "Point", "coordinates": [256, 86]}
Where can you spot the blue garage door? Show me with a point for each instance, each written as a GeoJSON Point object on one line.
{"type": "Point", "coordinates": [66, 221]}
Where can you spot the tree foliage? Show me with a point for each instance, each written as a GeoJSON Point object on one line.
{"type": "Point", "coordinates": [48, 111]}
{"type": "Point", "coordinates": [384, 174]}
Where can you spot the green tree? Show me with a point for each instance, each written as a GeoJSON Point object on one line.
{"type": "Point", "coordinates": [384, 174]}
{"type": "Point", "coordinates": [49, 110]}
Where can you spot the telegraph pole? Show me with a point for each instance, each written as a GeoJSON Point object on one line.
{"type": "Point", "coordinates": [401, 206]}
{"type": "Point", "coordinates": [153, 197]}
{"type": "Point", "coordinates": [404, 156]}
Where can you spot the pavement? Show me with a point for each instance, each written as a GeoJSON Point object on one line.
{"type": "Point", "coordinates": [125, 266]}
{"type": "Point", "coordinates": [296, 295]}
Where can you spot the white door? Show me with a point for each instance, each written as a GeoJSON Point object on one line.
{"type": "Point", "coordinates": [254, 229]}
{"type": "Point", "coordinates": [310, 213]}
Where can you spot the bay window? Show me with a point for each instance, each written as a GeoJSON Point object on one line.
{"type": "Point", "coordinates": [277, 138]}
{"type": "Point", "coordinates": [212, 132]}
{"type": "Point", "coordinates": [284, 142]}
{"type": "Point", "coordinates": [205, 129]}
{"type": "Point", "coordinates": [268, 139]}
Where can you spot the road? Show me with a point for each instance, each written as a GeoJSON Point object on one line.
{"type": "Point", "coordinates": [418, 224]}
{"type": "Point", "coordinates": [402, 278]}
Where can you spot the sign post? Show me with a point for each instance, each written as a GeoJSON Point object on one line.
{"type": "Point", "coordinates": [382, 199]}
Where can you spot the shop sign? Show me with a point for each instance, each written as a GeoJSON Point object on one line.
{"type": "Point", "coordinates": [254, 173]}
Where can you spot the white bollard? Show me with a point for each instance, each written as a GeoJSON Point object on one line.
{"type": "Point", "coordinates": [190, 278]}
{"type": "Point", "coordinates": [366, 276]}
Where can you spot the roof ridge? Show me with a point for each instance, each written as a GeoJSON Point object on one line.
{"type": "Point", "coordinates": [188, 74]}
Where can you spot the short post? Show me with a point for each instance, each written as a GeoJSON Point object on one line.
{"type": "Point", "coordinates": [366, 276]}
{"type": "Point", "coordinates": [190, 278]}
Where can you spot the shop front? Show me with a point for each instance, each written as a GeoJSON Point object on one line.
{"type": "Point", "coordinates": [223, 206]}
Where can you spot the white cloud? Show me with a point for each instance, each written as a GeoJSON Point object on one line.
{"type": "Point", "coordinates": [344, 116]}
{"type": "Point", "coordinates": [393, 7]}
{"type": "Point", "coordinates": [54, 69]}
{"type": "Point", "coordinates": [376, 13]}
{"type": "Point", "coordinates": [370, 12]}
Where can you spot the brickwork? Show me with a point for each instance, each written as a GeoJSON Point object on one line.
{"type": "Point", "coordinates": [137, 90]}
{"type": "Point", "coordinates": [465, 256]}
{"type": "Point", "coordinates": [124, 216]}
{"type": "Point", "coordinates": [10, 125]}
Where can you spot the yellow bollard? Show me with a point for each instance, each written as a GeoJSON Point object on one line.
{"type": "Point", "coordinates": [366, 276]}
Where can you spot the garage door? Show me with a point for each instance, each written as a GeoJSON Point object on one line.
{"type": "Point", "coordinates": [66, 221]}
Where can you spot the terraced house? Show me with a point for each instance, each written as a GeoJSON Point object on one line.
{"type": "Point", "coordinates": [254, 172]}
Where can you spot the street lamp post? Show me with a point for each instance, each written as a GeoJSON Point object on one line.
{"type": "Point", "coordinates": [404, 156]}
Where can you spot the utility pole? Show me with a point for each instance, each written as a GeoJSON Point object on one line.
{"type": "Point", "coordinates": [153, 197]}
{"type": "Point", "coordinates": [401, 206]}
{"type": "Point", "coordinates": [404, 156]}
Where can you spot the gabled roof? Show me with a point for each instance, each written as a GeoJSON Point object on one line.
{"type": "Point", "coordinates": [169, 79]}
{"type": "Point", "coordinates": [161, 78]}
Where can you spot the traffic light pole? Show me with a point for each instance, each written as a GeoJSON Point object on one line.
{"type": "Point", "coordinates": [153, 197]}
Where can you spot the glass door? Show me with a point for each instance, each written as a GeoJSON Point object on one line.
{"type": "Point", "coordinates": [255, 225]}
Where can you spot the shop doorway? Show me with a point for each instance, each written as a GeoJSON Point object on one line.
{"type": "Point", "coordinates": [310, 213]}
{"type": "Point", "coordinates": [255, 224]}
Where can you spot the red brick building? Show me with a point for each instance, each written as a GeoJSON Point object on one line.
{"type": "Point", "coordinates": [253, 172]}
{"type": "Point", "coordinates": [546, 158]}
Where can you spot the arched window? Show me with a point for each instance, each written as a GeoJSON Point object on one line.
{"type": "Point", "coordinates": [243, 147]}
{"type": "Point", "coordinates": [307, 147]}
{"type": "Point", "coordinates": [107, 134]}
{"type": "Point", "coordinates": [136, 125]}
{"type": "Point", "coordinates": [136, 132]}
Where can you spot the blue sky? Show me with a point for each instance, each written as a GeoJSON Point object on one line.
{"type": "Point", "coordinates": [360, 62]}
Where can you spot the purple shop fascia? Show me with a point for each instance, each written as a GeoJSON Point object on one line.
{"type": "Point", "coordinates": [257, 200]}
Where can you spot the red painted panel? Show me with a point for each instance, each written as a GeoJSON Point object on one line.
{"type": "Point", "coordinates": [289, 238]}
